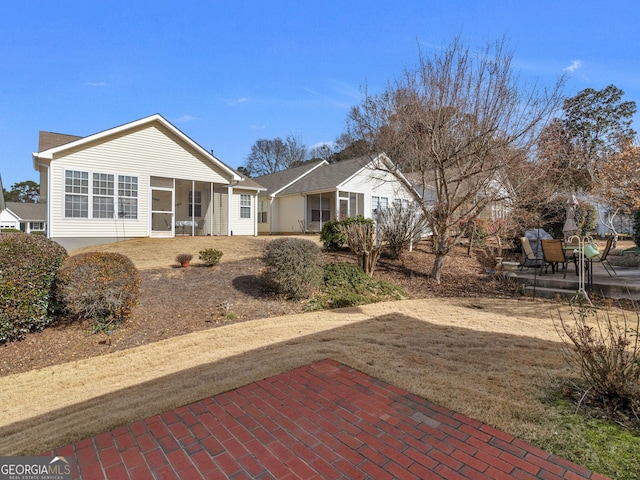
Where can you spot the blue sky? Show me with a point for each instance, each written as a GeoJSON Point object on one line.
{"type": "Point", "coordinates": [230, 72]}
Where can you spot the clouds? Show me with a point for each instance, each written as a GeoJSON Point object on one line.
{"type": "Point", "coordinates": [575, 65]}
{"type": "Point", "coordinates": [185, 118]}
{"type": "Point", "coordinates": [237, 101]}
{"type": "Point", "coordinates": [96, 84]}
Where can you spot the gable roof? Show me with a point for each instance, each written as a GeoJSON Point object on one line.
{"type": "Point", "coordinates": [329, 177]}
{"type": "Point", "coordinates": [52, 138]}
{"type": "Point", "coordinates": [28, 211]}
{"type": "Point", "coordinates": [275, 182]}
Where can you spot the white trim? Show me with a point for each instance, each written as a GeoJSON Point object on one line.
{"type": "Point", "coordinates": [51, 152]}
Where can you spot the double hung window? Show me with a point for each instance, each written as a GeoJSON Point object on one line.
{"type": "Point", "coordinates": [245, 205]}
{"type": "Point", "coordinates": [95, 195]}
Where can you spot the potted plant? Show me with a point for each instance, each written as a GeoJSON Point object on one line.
{"type": "Point", "coordinates": [183, 259]}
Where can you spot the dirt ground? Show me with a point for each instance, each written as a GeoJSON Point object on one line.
{"type": "Point", "coordinates": [175, 301]}
{"type": "Point", "coordinates": [471, 344]}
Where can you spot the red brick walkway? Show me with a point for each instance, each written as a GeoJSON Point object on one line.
{"type": "Point", "coordinates": [322, 421]}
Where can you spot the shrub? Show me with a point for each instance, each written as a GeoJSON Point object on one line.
{"type": "Point", "coordinates": [100, 286]}
{"type": "Point", "coordinates": [362, 241]}
{"type": "Point", "coordinates": [210, 256]}
{"type": "Point", "coordinates": [346, 285]}
{"type": "Point", "coordinates": [183, 258]}
{"type": "Point", "coordinates": [332, 236]}
{"type": "Point", "coordinates": [28, 267]}
{"type": "Point", "coordinates": [399, 226]}
{"type": "Point", "coordinates": [605, 352]}
{"type": "Point", "coordinates": [294, 267]}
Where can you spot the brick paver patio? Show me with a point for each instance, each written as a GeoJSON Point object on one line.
{"type": "Point", "coordinates": [321, 421]}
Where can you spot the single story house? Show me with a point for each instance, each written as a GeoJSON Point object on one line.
{"type": "Point", "coordinates": [302, 199]}
{"type": "Point", "coordinates": [26, 217]}
{"type": "Point", "coordinates": [145, 178]}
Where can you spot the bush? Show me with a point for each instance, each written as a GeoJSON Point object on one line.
{"type": "Point", "coordinates": [99, 286]}
{"type": "Point", "coordinates": [605, 352]}
{"type": "Point", "coordinates": [183, 258]}
{"type": "Point", "coordinates": [399, 226]}
{"type": "Point", "coordinates": [210, 256]}
{"type": "Point", "coordinates": [346, 285]}
{"type": "Point", "coordinates": [28, 267]}
{"type": "Point", "coordinates": [332, 236]}
{"type": "Point", "coordinates": [294, 267]}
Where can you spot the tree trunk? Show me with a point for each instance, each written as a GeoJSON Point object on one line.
{"type": "Point", "coordinates": [438, 264]}
{"type": "Point", "coordinates": [441, 249]}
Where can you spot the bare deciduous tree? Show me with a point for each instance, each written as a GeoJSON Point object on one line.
{"type": "Point", "coordinates": [455, 122]}
{"type": "Point", "coordinates": [270, 156]}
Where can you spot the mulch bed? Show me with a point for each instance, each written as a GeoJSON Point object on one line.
{"type": "Point", "coordinates": [176, 301]}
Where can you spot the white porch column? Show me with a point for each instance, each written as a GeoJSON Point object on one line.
{"type": "Point", "coordinates": [229, 209]}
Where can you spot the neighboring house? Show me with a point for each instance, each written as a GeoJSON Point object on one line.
{"type": "Point", "coordinates": [302, 199]}
{"type": "Point", "coordinates": [142, 179]}
{"type": "Point", "coordinates": [26, 217]}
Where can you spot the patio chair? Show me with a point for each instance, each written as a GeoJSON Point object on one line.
{"type": "Point", "coordinates": [553, 254]}
{"type": "Point", "coordinates": [529, 258]}
{"type": "Point", "coordinates": [602, 258]}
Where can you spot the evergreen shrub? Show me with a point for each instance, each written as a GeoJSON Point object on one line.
{"type": "Point", "coordinates": [28, 267]}
{"type": "Point", "coordinates": [294, 267]}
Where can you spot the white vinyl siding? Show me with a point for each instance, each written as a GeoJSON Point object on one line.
{"type": "Point", "coordinates": [244, 203]}
{"type": "Point", "coordinates": [150, 150]}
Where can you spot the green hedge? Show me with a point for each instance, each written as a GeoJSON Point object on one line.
{"type": "Point", "coordinates": [28, 267]}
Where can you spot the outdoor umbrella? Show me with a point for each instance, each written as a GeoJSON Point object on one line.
{"type": "Point", "coordinates": [570, 227]}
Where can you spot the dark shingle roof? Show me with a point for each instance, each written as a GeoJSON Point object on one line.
{"type": "Point", "coordinates": [28, 211]}
{"type": "Point", "coordinates": [49, 140]}
{"type": "Point", "coordinates": [275, 181]}
{"type": "Point", "coordinates": [327, 177]}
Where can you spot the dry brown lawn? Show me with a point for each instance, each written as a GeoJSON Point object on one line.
{"type": "Point", "coordinates": [490, 358]}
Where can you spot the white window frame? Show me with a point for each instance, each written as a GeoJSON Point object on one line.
{"type": "Point", "coordinates": [245, 206]}
{"type": "Point", "coordinates": [194, 204]}
{"type": "Point", "coordinates": [102, 188]}
{"type": "Point", "coordinates": [125, 194]}
{"type": "Point", "coordinates": [128, 195]}
{"type": "Point", "coordinates": [378, 202]}
{"type": "Point", "coordinates": [77, 185]}
{"type": "Point", "coordinates": [263, 209]}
